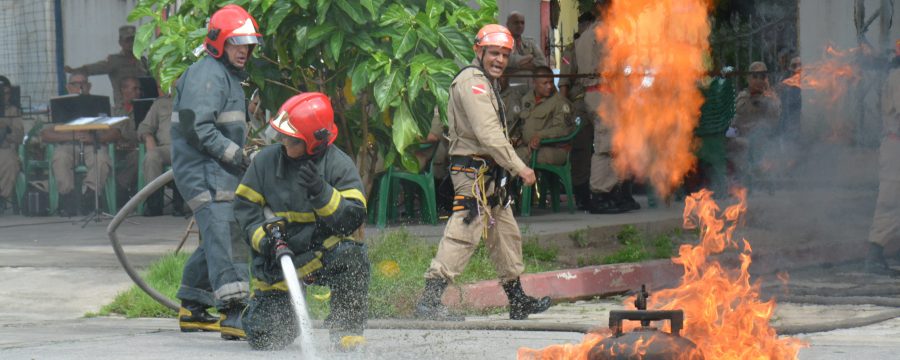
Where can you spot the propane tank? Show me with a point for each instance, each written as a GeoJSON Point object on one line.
{"type": "Point", "coordinates": [645, 342]}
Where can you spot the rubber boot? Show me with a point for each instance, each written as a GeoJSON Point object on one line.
{"type": "Point", "coordinates": [348, 343]}
{"type": "Point", "coordinates": [154, 204]}
{"type": "Point", "coordinates": [230, 322]}
{"type": "Point", "coordinates": [623, 196]}
{"type": "Point", "coordinates": [582, 194]}
{"type": "Point", "coordinates": [68, 205]}
{"type": "Point", "coordinates": [430, 306]}
{"type": "Point", "coordinates": [521, 305]}
{"type": "Point", "coordinates": [602, 203]}
{"type": "Point", "coordinates": [875, 262]}
{"type": "Point", "coordinates": [193, 317]}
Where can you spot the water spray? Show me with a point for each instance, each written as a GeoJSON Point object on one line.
{"type": "Point", "coordinates": [275, 230]}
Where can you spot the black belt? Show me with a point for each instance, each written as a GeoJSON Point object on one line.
{"type": "Point", "coordinates": [471, 161]}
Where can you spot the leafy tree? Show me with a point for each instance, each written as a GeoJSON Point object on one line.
{"type": "Point", "coordinates": [386, 64]}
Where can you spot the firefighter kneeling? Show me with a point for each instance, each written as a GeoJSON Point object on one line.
{"type": "Point", "coordinates": [316, 187]}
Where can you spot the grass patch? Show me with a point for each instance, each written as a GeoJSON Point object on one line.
{"type": "Point", "coordinates": [637, 247]}
{"type": "Point", "coordinates": [399, 260]}
{"type": "Point", "coordinates": [164, 275]}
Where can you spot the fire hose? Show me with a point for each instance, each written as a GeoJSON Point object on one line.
{"type": "Point", "coordinates": [524, 325]}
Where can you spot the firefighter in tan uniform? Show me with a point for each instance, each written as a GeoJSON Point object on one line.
{"type": "Point", "coordinates": [117, 66]}
{"type": "Point", "coordinates": [546, 114]}
{"type": "Point", "coordinates": [11, 134]}
{"type": "Point", "coordinates": [526, 55]}
{"type": "Point", "coordinates": [480, 156]}
{"type": "Point", "coordinates": [886, 222]}
{"type": "Point", "coordinates": [757, 111]}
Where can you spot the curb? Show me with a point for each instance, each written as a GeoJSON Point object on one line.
{"type": "Point", "coordinates": [570, 284]}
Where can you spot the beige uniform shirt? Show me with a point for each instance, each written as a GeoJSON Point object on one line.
{"type": "Point", "coordinates": [158, 121]}
{"type": "Point", "coordinates": [521, 50]}
{"type": "Point", "coordinates": [474, 119]}
{"type": "Point", "coordinates": [549, 119]}
{"type": "Point", "coordinates": [586, 59]}
{"type": "Point", "coordinates": [12, 121]}
{"type": "Point", "coordinates": [117, 66]}
{"type": "Point", "coordinates": [756, 113]}
{"type": "Point", "coordinates": [127, 127]}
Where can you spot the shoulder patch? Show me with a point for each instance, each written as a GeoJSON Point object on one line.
{"type": "Point", "coordinates": [565, 108]}
{"type": "Point", "coordinates": [479, 89]}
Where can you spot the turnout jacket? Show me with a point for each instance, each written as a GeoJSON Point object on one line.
{"type": "Point", "coordinates": [314, 224]}
{"type": "Point", "coordinates": [207, 153]}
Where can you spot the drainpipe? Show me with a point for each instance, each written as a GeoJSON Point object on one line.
{"type": "Point", "coordinates": [60, 48]}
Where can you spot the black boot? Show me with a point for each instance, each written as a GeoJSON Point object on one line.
{"type": "Point", "coordinates": [521, 305]}
{"type": "Point", "coordinates": [230, 322]}
{"type": "Point", "coordinates": [875, 262]}
{"type": "Point", "coordinates": [582, 194]}
{"type": "Point", "coordinates": [602, 203]}
{"type": "Point", "coordinates": [154, 204]}
{"type": "Point", "coordinates": [193, 317]}
{"type": "Point", "coordinates": [87, 202]}
{"type": "Point", "coordinates": [623, 197]}
{"type": "Point", "coordinates": [69, 204]}
{"type": "Point", "coordinates": [430, 307]}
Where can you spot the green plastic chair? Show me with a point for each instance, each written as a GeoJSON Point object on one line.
{"type": "Point", "coordinates": [559, 174]}
{"type": "Point", "coordinates": [109, 190]}
{"type": "Point", "coordinates": [29, 170]}
{"type": "Point", "coordinates": [389, 186]}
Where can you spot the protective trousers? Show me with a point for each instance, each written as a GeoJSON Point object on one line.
{"type": "Point", "coordinates": [270, 321]}
{"type": "Point", "coordinates": [582, 146]}
{"type": "Point", "coordinates": [547, 155]}
{"type": "Point", "coordinates": [504, 241]}
{"type": "Point", "coordinates": [886, 222]}
{"type": "Point", "coordinates": [9, 169]}
{"type": "Point", "coordinates": [66, 158]}
{"type": "Point", "coordinates": [603, 175]}
{"type": "Point", "coordinates": [155, 160]}
{"type": "Point", "coordinates": [216, 273]}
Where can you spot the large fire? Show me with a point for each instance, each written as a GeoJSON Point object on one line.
{"type": "Point", "coordinates": [723, 314]}
{"type": "Point", "coordinates": [655, 60]}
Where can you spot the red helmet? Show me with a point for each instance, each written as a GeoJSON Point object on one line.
{"type": "Point", "coordinates": [232, 24]}
{"type": "Point", "coordinates": [308, 117]}
{"type": "Point", "coordinates": [494, 35]}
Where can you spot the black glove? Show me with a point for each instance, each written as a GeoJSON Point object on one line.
{"type": "Point", "coordinates": [309, 178]}
{"type": "Point", "coordinates": [267, 247]}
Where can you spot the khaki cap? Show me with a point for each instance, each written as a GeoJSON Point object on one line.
{"type": "Point", "coordinates": [758, 66]}
{"type": "Point", "coordinates": [126, 31]}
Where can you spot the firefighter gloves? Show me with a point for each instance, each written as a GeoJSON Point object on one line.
{"type": "Point", "coordinates": [309, 178]}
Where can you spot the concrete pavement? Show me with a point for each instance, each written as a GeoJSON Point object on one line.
{"type": "Point", "coordinates": [53, 272]}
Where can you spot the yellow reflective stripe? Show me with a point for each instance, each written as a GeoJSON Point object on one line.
{"type": "Point", "coordinates": [331, 206]}
{"type": "Point", "coordinates": [258, 235]}
{"type": "Point", "coordinates": [354, 194]}
{"type": "Point", "coordinates": [331, 242]}
{"type": "Point", "coordinates": [297, 217]}
{"type": "Point", "coordinates": [248, 193]}
{"type": "Point", "coordinates": [311, 266]}
{"type": "Point", "coordinates": [264, 286]}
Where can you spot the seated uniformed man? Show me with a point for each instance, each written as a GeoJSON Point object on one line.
{"type": "Point", "coordinates": [126, 147]}
{"type": "Point", "coordinates": [316, 188]}
{"type": "Point", "coordinates": [154, 133]}
{"type": "Point", "coordinates": [12, 132]}
{"type": "Point", "coordinates": [75, 148]}
{"type": "Point", "coordinates": [545, 114]}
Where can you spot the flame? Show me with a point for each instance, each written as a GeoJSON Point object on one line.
{"type": "Point", "coordinates": [655, 61]}
{"type": "Point", "coordinates": [832, 75]}
{"type": "Point", "coordinates": [724, 316]}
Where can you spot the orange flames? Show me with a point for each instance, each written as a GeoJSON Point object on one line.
{"type": "Point", "coordinates": [723, 314]}
{"type": "Point", "coordinates": [831, 76]}
{"type": "Point", "coordinates": [655, 60]}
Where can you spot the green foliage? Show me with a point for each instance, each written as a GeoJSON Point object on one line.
{"type": "Point", "coordinates": [580, 237]}
{"type": "Point", "coordinates": [399, 54]}
{"type": "Point", "coordinates": [164, 275]}
{"type": "Point", "coordinates": [637, 248]}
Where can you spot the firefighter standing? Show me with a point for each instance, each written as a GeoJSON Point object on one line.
{"type": "Point", "coordinates": [208, 130]}
{"type": "Point", "coordinates": [885, 227]}
{"type": "Point", "coordinates": [480, 153]}
{"type": "Point", "coordinates": [316, 188]}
